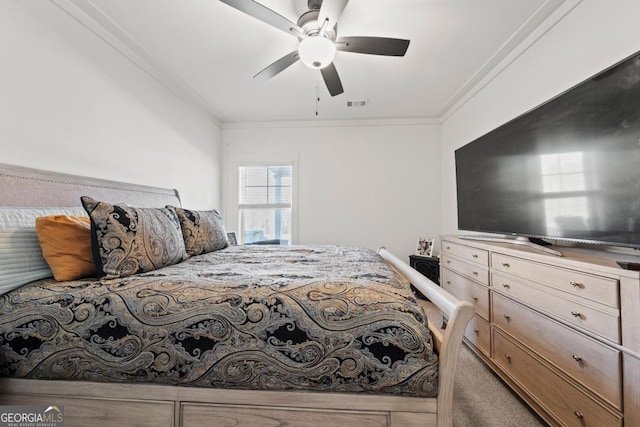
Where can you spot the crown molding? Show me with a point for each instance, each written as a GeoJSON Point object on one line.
{"type": "Point", "coordinates": [332, 122]}
{"type": "Point", "coordinates": [92, 18]}
{"type": "Point", "coordinates": [547, 17]}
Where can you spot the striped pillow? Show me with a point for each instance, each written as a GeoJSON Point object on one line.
{"type": "Point", "coordinates": [21, 259]}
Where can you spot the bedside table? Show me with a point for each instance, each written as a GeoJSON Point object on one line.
{"type": "Point", "coordinates": [428, 266]}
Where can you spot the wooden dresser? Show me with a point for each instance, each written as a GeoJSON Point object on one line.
{"type": "Point", "coordinates": [563, 332]}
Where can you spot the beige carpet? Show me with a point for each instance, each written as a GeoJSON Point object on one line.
{"type": "Point", "coordinates": [480, 398]}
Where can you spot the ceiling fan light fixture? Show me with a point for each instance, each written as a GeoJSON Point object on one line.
{"type": "Point", "coordinates": [316, 51]}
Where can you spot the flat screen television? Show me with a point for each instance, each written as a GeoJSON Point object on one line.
{"type": "Point", "coordinates": [568, 170]}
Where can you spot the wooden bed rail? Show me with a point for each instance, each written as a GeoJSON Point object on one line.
{"type": "Point", "coordinates": [458, 312]}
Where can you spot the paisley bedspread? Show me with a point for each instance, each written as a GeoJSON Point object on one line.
{"type": "Point", "coordinates": [319, 318]}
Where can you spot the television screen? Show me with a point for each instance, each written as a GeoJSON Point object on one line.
{"type": "Point", "coordinates": [567, 170]}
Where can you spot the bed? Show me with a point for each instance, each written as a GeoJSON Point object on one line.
{"type": "Point", "coordinates": [244, 335]}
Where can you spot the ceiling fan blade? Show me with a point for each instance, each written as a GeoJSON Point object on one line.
{"type": "Point", "coordinates": [331, 10]}
{"type": "Point", "coordinates": [278, 66]}
{"type": "Point", "coordinates": [373, 45]}
{"type": "Point", "coordinates": [266, 15]}
{"type": "Point", "coordinates": [332, 79]}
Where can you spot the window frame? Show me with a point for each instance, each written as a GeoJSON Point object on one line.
{"type": "Point", "coordinates": [236, 206]}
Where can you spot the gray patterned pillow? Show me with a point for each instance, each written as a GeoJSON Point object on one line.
{"type": "Point", "coordinates": [203, 231]}
{"type": "Point", "coordinates": [128, 240]}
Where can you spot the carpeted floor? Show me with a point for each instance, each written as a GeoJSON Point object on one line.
{"type": "Point", "coordinates": [480, 398]}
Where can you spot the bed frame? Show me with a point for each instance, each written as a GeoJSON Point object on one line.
{"type": "Point", "coordinates": [87, 403]}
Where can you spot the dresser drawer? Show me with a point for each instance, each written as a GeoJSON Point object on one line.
{"type": "Point", "coordinates": [473, 271]}
{"type": "Point", "coordinates": [592, 363]}
{"type": "Point", "coordinates": [596, 318]}
{"type": "Point", "coordinates": [596, 288]}
{"type": "Point", "coordinates": [467, 253]}
{"type": "Point", "coordinates": [467, 290]}
{"type": "Point", "coordinates": [567, 403]}
{"type": "Point", "coordinates": [478, 332]}
{"type": "Point", "coordinates": [194, 414]}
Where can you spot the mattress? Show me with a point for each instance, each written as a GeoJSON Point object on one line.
{"type": "Point", "coordinates": [316, 318]}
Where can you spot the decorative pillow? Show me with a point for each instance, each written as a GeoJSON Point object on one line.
{"type": "Point", "coordinates": [203, 231]}
{"type": "Point", "coordinates": [127, 240]}
{"type": "Point", "coordinates": [21, 258]}
{"type": "Point", "coordinates": [66, 246]}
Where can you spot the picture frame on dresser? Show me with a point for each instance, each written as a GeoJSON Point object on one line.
{"type": "Point", "coordinates": [424, 247]}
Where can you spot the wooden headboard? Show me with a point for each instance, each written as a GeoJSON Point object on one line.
{"type": "Point", "coordinates": [20, 186]}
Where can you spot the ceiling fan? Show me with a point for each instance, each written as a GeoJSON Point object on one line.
{"type": "Point", "coordinates": [317, 31]}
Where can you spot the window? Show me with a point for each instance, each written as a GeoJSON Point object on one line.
{"type": "Point", "coordinates": [563, 179]}
{"type": "Point", "coordinates": [562, 172]}
{"type": "Point", "coordinates": [265, 202]}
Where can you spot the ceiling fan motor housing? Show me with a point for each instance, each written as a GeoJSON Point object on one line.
{"type": "Point", "coordinates": [308, 21]}
{"type": "Point", "coordinates": [314, 4]}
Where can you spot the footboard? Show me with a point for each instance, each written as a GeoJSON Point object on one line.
{"type": "Point", "coordinates": [459, 313]}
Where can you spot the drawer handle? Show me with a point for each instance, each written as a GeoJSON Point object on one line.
{"type": "Point", "coordinates": [506, 264]}
{"type": "Point", "coordinates": [475, 273]}
{"type": "Point", "coordinates": [576, 358]}
{"type": "Point", "coordinates": [449, 247]}
{"type": "Point", "coordinates": [448, 262]}
{"type": "Point", "coordinates": [506, 285]}
{"type": "Point", "coordinates": [475, 256]}
{"type": "Point", "coordinates": [448, 282]}
{"type": "Point", "coordinates": [475, 299]}
{"type": "Point", "coordinates": [579, 415]}
{"type": "Point", "coordinates": [508, 357]}
{"type": "Point", "coordinates": [576, 314]}
{"type": "Point", "coordinates": [507, 318]}
{"type": "Point", "coordinates": [476, 331]}
{"type": "Point", "coordinates": [577, 285]}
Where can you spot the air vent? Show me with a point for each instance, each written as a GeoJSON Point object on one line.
{"type": "Point", "coordinates": [361, 103]}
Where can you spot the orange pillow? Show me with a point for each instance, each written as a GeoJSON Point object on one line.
{"type": "Point", "coordinates": [66, 246]}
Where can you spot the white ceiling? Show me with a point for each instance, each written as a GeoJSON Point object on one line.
{"type": "Point", "coordinates": [208, 52]}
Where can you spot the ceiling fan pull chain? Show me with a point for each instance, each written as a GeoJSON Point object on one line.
{"type": "Point", "coordinates": [317, 91]}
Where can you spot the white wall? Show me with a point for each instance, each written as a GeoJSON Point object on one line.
{"type": "Point", "coordinates": [70, 103]}
{"type": "Point", "coordinates": [357, 185]}
{"type": "Point", "coordinates": [594, 36]}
